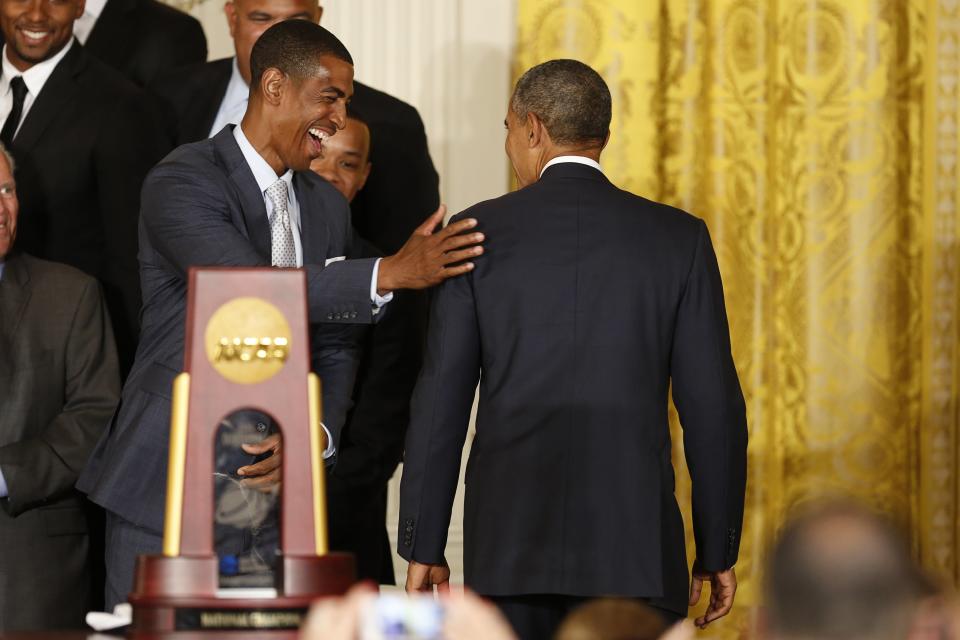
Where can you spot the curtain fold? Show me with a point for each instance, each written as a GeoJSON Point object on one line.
{"type": "Point", "coordinates": [819, 141]}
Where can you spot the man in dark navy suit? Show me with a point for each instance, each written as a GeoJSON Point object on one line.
{"type": "Point", "coordinates": [586, 305]}
{"type": "Point", "coordinates": [246, 197]}
{"type": "Point", "coordinates": [396, 196]}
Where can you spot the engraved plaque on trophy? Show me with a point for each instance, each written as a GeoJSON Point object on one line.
{"type": "Point", "coordinates": [246, 378]}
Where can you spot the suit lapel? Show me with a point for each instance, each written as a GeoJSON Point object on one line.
{"type": "Point", "coordinates": [110, 40]}
{"type": "Point", "coordinates": [314, 230]}
{"type": "Point", "coordinates": [57, 97]}
{"type": "Point", "coordinates": [14, 295]}
{"type": "Point", "coordinates": [251, 199]}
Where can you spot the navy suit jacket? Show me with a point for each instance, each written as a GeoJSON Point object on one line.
{"type": "Point", "coordinates": [202, 207]}
{"type": "Point", "coordinates": [587, 303]}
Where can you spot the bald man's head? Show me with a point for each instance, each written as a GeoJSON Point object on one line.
{"type": "Point", "coordinates": [840, 571]}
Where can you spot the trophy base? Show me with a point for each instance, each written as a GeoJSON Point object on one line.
{"type": "Point", "coordinates": [180, 594]}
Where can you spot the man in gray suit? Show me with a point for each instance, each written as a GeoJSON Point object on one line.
{"type": "Point", "coordinates": [246, 197]}
{"type": "Point", "coordinates": [59, 385]}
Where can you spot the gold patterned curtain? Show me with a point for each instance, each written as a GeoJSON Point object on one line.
{"type": "Point", "coordinates": [819, 140]}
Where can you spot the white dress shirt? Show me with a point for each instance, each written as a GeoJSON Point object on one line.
{"type": "Point", "coordinates": [234, 103]}
{"type": "Point", "coordinates": [83, 25]}
{"type": "Point", "coordinates": [590, 162]}
{"type": "Point", "coordinates": [34, 77]}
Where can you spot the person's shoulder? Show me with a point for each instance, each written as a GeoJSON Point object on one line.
{"type": "Point", "coordinates": [491, 210]}
{"type": "Point", "coordinates": [189, 79]}
{"type": "Point", "coordinates": [161, 18]}
{"type": "Point", "coordinates": [48, 274]}
{"type": "Point", "coordinates": [102, 81]}
{"type": "Point", "coordinates": [319, 190]}
{"type": "Point", "coordinates": [374, 105]}
{"type": "Point", "coordinates": [193, 162]}
{"type": "Point", "coordinates": [666, 216]}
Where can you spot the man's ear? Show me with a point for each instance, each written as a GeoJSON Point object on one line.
{"type": "Point", "coordinates": [319, 13]}
{"type": "Point", "coordinates": [272, 84]}
{"type": "Point", "coordinates": [606, 139]}
{"type": "Point", "coordinates": [536, 132]}
{"type": "Point", "coordinates": [230, 10]}
{"type": "Point", "coordinates": [80, 8]}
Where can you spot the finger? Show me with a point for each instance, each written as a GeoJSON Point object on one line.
{"type": "Point", "coordinates": [457, 227]}
{"type": "Point", "coordinates": [270, 443]}
{"type": "Point", "coordinates": [696, 586]}
{"type": "Point", "coordinates": [459, 256]}
{"type": "Point", "coordinates": [450, 272]}
{"type": "Point", "coordinates": [265, 483]}
{"type": "Point", "coordinates": [443, 586]}
{"type": "Point", "coordinates": [460, 240]}
{"type": "Point", "coordinates": [263, 467]}
{"type": "Point", "coordinates": [431, 223]}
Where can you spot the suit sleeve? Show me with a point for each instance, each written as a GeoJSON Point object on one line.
{"type": "Point", "coordinates": [44, 467]}
{"type": "Point", "coordinates": [707, 395]}
{"type": "Point", "coordinates": [123, 156]}
{"type": "Point", "coordinates": [187, 218]}
{"type": "Point", "coordinates": [440, 412]}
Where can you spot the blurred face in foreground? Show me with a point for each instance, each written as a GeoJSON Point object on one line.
{"type": "Point", "coordinates": [345, 161]}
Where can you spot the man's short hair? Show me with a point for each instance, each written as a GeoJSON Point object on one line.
{"type": "Point", "coordinates": [570, 98]}
{"type": "Point", "coordinates": [294, 47]}
{"type": "Point", "coordinates": [840, 571]}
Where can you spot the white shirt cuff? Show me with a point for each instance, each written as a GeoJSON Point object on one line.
{"type": "Point", "coordinates": [378, 300]}
{"type": "Point", "coordinates": [331, 448]}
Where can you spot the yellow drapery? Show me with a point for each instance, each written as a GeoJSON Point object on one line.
{"type": "Point", "coordinates": [819, 140]}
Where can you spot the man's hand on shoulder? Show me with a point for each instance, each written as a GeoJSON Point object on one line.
{"type": "Point", "coordinates": [424, 577]}
{"type": "Point", "coordinates": [423, 260]}
{"type": "Point", "coordinates": [723, 587]}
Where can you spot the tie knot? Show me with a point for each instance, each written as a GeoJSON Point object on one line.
{"type": "Point", "coordinates": [277, 192]}
{"type": "Point", "coordinates": [19, 87]}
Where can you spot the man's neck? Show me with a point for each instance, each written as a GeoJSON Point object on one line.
{"type": "Point", "coordinates": [593, 153]}
{"type": "Point", "coordinates": [257, 131]}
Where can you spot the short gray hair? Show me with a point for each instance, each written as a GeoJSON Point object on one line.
{"type": "Point", "coordinates": [570, 98]}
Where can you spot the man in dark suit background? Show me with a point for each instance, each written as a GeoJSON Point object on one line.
{"type": "Point", "coordinates": [247, 198]}
{"type": "Point", "coordinates": [141, 38]}
{"type": "Point", "coordinates": [59, 384]}
{"type": "Point", "coordinates": [397, 195]}
{"type": "Point", "coordinates": [589, 302]}
{"type": "Point", "coordinates": [83, 137]}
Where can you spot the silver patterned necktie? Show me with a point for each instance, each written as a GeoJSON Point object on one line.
{"type": "Point", "coordinates": [283, 252]}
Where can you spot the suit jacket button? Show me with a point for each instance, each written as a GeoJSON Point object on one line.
{"type": "Point", "coordinates": [336, 316]}
{"type": "Point", "coordinates": [261, 427]}
{"type": "Point", "coordinates": [353, 314]}
{"type": "Point", "coordinates": [329, 316]}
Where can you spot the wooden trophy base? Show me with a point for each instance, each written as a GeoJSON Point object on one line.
{"type": "Point", "coordinates": [180, 594]}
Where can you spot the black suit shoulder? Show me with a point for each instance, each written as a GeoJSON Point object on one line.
{"type": "Point", "coordinates": [375, 106]}
{"type": "Point", "coordinates": [191, 96]}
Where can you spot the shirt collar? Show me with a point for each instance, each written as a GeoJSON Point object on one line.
{"type": "Point", "coordinates": [94, 7]}
{"type": "Point", "coordinates": [263, 173]}
{"type": "Point", "coordinates": [238, 92]}
{"type": "Point", "coordinates": [34, 77]}
{"type": "Point", "coordinates": [590, 162]}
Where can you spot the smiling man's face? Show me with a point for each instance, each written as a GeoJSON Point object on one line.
{"type": "Point", "coordinates": [37, 30]}
{"type": "Point", "coordinates": [311, 110]}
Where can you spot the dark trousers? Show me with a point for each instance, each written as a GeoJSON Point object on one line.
{"type": "Point", "coordinates": [125, 541]}
{"type": "Point", "coordinates": [537, 617]}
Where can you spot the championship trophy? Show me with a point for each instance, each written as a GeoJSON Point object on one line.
{"type": "Point", "coordinates": [247, 351]}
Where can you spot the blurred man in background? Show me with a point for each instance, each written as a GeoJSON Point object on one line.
{"type": "Point", "coordinates": [83, 137]}
{"type": "Point", "coordinates": [840, 572]}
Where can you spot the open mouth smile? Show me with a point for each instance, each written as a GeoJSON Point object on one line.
{"type": "Point", "coordinates": [35, 36]}
{"type": "Point", "coordinates": [317, 136]}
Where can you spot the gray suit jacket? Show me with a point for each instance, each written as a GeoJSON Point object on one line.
{"type": "Point", "coordinates": [59, 385]}
{"type": "Point", "coordinates": [201, 207]}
